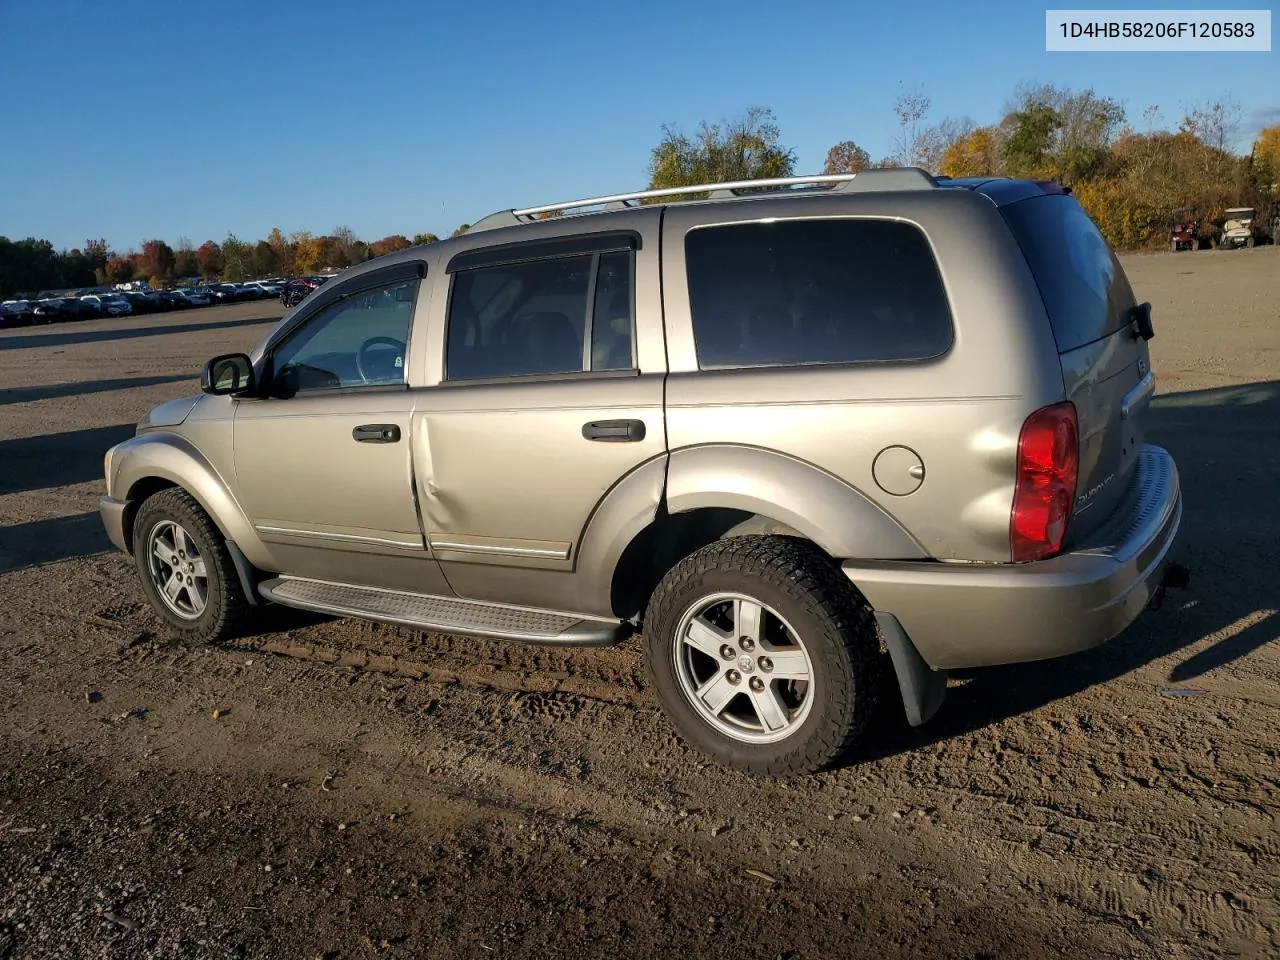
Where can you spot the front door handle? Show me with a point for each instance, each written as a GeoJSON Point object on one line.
{"type": "Point", "coordinates": [377, 433]}
{"type": "Point", "coordinates": [614, 431]}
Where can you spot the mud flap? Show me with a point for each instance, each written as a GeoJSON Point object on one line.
{"type": "Point", "coordinates": [921, 686]}
{"type": "Point", "coordinates": [245, 573]}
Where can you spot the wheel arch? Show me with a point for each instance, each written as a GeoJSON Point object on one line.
{"type": "Point", "coordinates": [719, 490]}
{"type": "Point", "coordinates": [820, 507]}
{"type": "Point", "coordinates": [150, 463]}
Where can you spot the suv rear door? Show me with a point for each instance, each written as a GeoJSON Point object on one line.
{"type": "Point", "coordinates": [546, 400]}
{"type": "Point", "coordinates": [1106, 364]}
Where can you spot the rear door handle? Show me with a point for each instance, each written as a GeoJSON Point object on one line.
{"type": "Point", "coordinates": [614, 431]}
{"type": "Point", "coordinates": [377, 433]}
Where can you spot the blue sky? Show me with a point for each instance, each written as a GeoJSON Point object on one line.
{"type": "Point", "coordinates": [143, 118]}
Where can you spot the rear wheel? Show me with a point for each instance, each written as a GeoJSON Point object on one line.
{"type": "Point", "coordinates": [186, 571]}
{"type": "Point", "coordinates": [763, 655]}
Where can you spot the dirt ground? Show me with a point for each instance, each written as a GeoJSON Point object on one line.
{"type": "Point", "coordinates": [369, 792]}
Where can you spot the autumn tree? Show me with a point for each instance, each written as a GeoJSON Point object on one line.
{"type": "Point", "coordinates": [390, 245]}
{"type": "Point", "coordinates": [977, 154]}
{"type": "Point", "coordinates": [282, 249]}
{"type": "Point", "coordinates": [119, 270]}
{"type": "Point", "coordinates": [209, 259]}
{"type": "Point", "coordinates": [746, 148]}
{"type": "Point", "coordinates": [911, 142]}
{"type": "Point", "coordinates": [846, 157]}
{"type": "Point", "coordinates": [156, 260]}
{"type": "Point", "coordinates": [1266, 149]}
{"type": "Point", "coordinates": [308, 252]}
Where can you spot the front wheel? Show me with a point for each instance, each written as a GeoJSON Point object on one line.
{"type": "Point", "coordinates": [763, 655]}
{"type": "Point", "coordinates": [186, 570]}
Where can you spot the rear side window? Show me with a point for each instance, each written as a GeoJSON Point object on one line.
{"type": "Point", "coordinates": [1085, 290]}
{"type": "Point", "coordinates": [542, 317]}
{"type": "Point", "coordinates": [815, 291]}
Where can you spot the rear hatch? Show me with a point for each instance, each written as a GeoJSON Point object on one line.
{"type": "Point", "coordinates": [1105, 364]}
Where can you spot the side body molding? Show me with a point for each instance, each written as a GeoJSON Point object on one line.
{"type": "Point", "coordinates": [835, 516]}
{"type": "Point", "coordinates": [172, 457]}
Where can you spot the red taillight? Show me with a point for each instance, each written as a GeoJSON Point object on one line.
{"type": "Point", "coordinates": [1048, 463]}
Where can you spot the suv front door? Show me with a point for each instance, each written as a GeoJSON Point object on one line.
{"type": "Point", "coordinates": [547, 402]}
{"type": "Point", "coordinates": [323, 462]}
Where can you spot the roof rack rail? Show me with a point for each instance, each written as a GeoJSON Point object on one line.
{"type": "Point", "coordinates": [878, 179]}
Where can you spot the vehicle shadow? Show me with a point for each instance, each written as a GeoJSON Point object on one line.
{"type": "Point", "coordinates": [57, 459]}
{"type": "Point", "coordinates": [39, 542]}
{"type": "Point", "coordinates": [70, 337]}
{"type": "Point", "coordinates": [1231, 525]}
{"type": "Point", "coordinates": [80, 388]}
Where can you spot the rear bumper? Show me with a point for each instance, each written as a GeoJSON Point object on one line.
{"type": "Point", "coordinates": [112, 513]}
{"type": "Point", "coordinates": [962, 615]}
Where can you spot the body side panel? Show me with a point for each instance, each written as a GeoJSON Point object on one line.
{"type": "Point", "coordinates": [960, 413]}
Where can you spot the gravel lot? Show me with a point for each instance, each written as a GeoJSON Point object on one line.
{"type": "Point", "coordinates": [366, 791]}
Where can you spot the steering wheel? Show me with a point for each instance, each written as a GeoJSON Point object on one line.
{"type": "Point", "coordinates": [364, 362]}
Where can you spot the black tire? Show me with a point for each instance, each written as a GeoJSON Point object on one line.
{"type": "Point", "coordinates": [833, 622]}
{"type": "Point", "coordinates": [225, 612]}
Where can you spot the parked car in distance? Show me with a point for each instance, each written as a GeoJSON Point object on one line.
{"type": "Point", "coordinates": [61, 309]}
{"type": "Point", "coordinates": [222, 292]}
{"type": "Point", "coordinates": [195, 297]}
{"type": "Point", "coordinates": [173, 300]}
{"type": "Point", "coordinates": [16, 313]}
{"type": "Point", "coordinates": [107, 306]}
{"type": "Point", "coordinates": [143, 302]}
{"type": "Point", "coordinates": [774, 431]}
{"type": "Point", "coordinates": [296, 290]}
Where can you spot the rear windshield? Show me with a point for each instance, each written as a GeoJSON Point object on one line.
{"type": "Point", "coordinates": [1085, 290]}
{"type": "Point", "coordinates": [815, 291]}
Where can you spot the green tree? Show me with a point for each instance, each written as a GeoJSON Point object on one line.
{"type": "Point", "coordinates": [264, 261]}
{"type": "Point", "coordinates": [1029, 140]}
{"type": "Point", "coordinates": [343, 247]}
{"type": "Point", "coordinates": [185, 263]}
{"type": "Point", "coordinates": [746, 148]}
{"type": "Point", "coordinates": [461, 230]}
{"type": "Point", "coordinates": [236, 258]}
{"type": "Point", "coordinates": [421, 239]}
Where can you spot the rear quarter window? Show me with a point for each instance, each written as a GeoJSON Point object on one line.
{"type": "Point", "coordinates": [1085, 291]}
{"type": "Point", "coordinates": [815, 291]}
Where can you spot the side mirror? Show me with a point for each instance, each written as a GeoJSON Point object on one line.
{"type": "Point", "coordinates": [228, 374]}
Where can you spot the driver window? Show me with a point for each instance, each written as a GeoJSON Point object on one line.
{"type": "Point", "coordinates": [358, 341]}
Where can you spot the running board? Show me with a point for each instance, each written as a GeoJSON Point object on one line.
{"type": "Point", "coordinates": [445, 614]}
